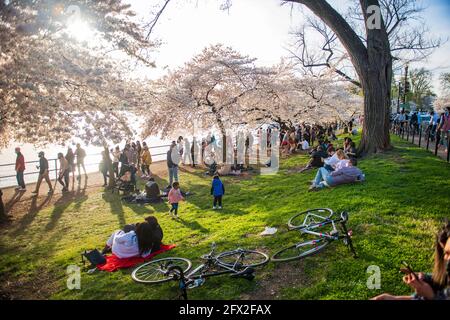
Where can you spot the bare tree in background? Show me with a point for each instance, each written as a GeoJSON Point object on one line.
{"type": "Point", "coordinates": [445, 81]}
{"type": "Point", "coordinates": [372, 52]}
{"type": "Point", "coordinates": [421, 85]}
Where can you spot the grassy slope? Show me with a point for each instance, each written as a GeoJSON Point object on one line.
{"type": "Point", "coordinates": [394, 216]}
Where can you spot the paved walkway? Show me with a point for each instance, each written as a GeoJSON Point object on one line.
{"type": "Point", "coordinates": [19, 200]}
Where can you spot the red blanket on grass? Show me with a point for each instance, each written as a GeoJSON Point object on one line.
{"type": "Point", "coordinates": [113, 262]}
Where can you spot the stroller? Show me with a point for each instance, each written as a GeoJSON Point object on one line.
{"type": "Point", "coordinates": [127, 180]}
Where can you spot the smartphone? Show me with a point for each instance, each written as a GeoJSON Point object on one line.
{"type": "Point", "coordinates": [408, 270]}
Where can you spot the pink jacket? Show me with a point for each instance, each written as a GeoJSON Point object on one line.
{"type": "Point", "coordinates": [175, 196]}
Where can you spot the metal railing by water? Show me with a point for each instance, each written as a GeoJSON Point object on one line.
{"type": "Point", "coordinates": [55, 162]}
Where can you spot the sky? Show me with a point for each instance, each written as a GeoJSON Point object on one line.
{"type": "Point", "coordinates": [258, 28]}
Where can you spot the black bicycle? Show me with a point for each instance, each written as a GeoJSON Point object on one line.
{"type": "Point", "coordinates": [239, 263]}
{"type": "Point", "coordinates": [315, 222]}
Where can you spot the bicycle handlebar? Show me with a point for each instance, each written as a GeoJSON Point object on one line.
{"type": "Point", "coordinates": [344, 216]}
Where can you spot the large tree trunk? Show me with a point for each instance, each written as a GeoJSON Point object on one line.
{"type": "Point", "coordinates": [375, 134]}
{"type": "Point", "coordinates": [376, 83]}
{"type": "Point", "coordinates": [2, 207]}
{"type": "Point", "coordinates": [373, 63]}
{"type": "Point", "coordinates": [221, 126]}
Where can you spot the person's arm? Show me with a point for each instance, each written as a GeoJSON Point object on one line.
{"type": "Point", "coordinates": [336, 173]}
{"type": "Point", "coordinates": [387, 296]}
{"type": "Point", "coordinates": [422, 288]}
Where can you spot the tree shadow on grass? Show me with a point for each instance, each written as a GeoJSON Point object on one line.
{"type": "Point", "coordinates": [115, 202]}
{"type": "Point", "coordinates": [194, 225]}
{"type": "Point", "coordinates": [58, 209]}
{"type": "Point", "coordinates": [65, 201]}
{"type": "Point", "coordinates": [28, 218]}
{"type": "Point", "coordinates": [202, 199]}
{"type": "Point", "coordinates": [80, 195]}
{"type": "Point", "coordinates": [16, 198]}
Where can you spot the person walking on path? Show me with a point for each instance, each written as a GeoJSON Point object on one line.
{"type": "Point", "coordinates": [20, 168]}
{"type": "Point", "coordinates": [81, 154]}
{"type": "Point", "coordinates": [104, 168]}
{"type": "Point", "coordinates": [146, 161]}
{"type": "Point", "coordinates": [64, 172]}
{"type": "Point", "coordinates": [70, 157]}
{"type": "Point", "coordinates": [43, 174]}
{"type": "Point", "coordinates": [138, 151]}
{"type": "Point", "coordinates": [115, 162]}
{"type": "Point", "coordinates": [444, 127]}
{"type": "Point", "coordinates": [172, 163]}
{"type": "Point", "coordinates": [180, 146]}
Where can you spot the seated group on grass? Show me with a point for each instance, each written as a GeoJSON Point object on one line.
{"type": "Point", "coordinates": [435, 286]}
{"type": "Point", "coordinates": [136, 240]}
{"type": "Point", "coordinates": [337, 169]}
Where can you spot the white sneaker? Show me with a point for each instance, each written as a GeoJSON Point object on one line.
{"type": "Point", "coordinates": [214, 208]}
{"type": "Point", "coordinates": [220, 208]}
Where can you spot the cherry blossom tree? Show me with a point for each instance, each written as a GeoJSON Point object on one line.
{"type": "Point", "coordinates": [222, 88]}
{"type": "Point", "coordinates": [207, 91]}
{"type": "Point", "coordinates": [362, 46]}
{"type": "Point", "coordinates": [287, 98]}
{"type": "Point", "coordinates": [62, 67]}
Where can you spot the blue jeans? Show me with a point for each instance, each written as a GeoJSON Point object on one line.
{"type": "Point", "coordinates": [20, 181]}
{"type": "Point", "coordinates": [322, 175]}
{"type": "Point", "coordinates": [173, 175]}
{"type": "Point", "coordinates": [174, 208]}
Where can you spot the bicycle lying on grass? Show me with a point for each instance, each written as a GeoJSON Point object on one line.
{"type": "Point", "coordinates": [311, 222]}
{"type": "Point", "coordinates": [238, 263]}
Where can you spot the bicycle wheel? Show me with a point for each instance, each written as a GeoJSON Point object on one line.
{"type": "Point", "coordinates": [156, 271]}
{"type": "Point", "coordinates": [309, 218]}
{"type": "Point", "coordinates": [244, 258]}
{"type": "Point", "coordinates": [300, 250]}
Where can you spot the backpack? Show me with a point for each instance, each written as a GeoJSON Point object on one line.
{"type": "Point", "coordinates": [94, 257]}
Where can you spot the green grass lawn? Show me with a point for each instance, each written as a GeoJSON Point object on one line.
{"type": "Point", "coordinates": [394, 216]}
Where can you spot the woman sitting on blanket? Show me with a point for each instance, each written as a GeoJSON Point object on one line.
{"type": "Point", "coordinates": [138, 240]}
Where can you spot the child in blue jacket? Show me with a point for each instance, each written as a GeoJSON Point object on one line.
{"type": "Point", "coordinates": [217, 190]}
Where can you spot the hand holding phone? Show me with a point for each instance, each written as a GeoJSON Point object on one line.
{"type": "Point", "coordinates": [408, 270]}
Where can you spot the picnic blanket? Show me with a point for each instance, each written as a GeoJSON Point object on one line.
{"type": "Point", "coordinates": [113, 262]}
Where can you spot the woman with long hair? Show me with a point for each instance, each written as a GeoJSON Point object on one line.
{"type": "Point", "coordinates": [437, 285]}
{"type": "Point", "coordinates": [137, 240]}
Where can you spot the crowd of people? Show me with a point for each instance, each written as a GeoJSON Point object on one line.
{"type": "Point", "coordinates": [335, 166]}
{"type": "Point", "coordinates": [136, 157]}
{"type": "Point", "coordinates": [125, 163]}
{"type": "Point", "coordinates": [435, 123]}
{"type": "Point", "coordinates": [303, 136]}
{"type": "Point", "coordinates": [67, 165]}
